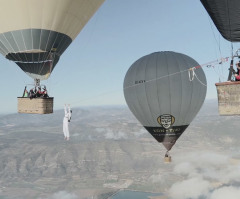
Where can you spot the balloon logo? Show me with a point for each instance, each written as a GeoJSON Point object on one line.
{"type": "Point", "coordinates": [162, 96]}
{"type": "Point", "coordinates": [166, 120]}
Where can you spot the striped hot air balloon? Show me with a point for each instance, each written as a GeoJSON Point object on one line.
{"type": "Point", "coordinates": [35, 33]}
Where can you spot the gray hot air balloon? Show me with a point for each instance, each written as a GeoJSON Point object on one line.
{"type": "Point", "coordinates": [35, 33]}
{"type": "Point", "coordinates": [160, 94]}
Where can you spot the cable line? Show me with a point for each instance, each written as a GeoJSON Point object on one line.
{"type": "Point", "coordinates": [190, 71]}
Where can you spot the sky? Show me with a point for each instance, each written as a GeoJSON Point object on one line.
{"type": "Point", "coordinates": [92, 70]}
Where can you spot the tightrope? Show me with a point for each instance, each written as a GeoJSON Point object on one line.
{"type": "Point", "coordinates": [193, 74]}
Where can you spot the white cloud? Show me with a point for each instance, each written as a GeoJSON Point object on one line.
{"type": "Point", "coordinates": [209, 165]}
{"type": "Point", "coordinates": [139, 133]}
{"type": "Point", "coordinates": [204, 173]}
{"type": "Point", "coordinates": [226, 193]}
{"type": "Point", "coordinates": [157, 178]}
{"type": "Point", "coordinates": [203, 158]}
{"type": "Point", "coordinates": [100, 130]}
{"type": "Point", "coordinates": [63, 195]}
{"type": "Point", "coordinates": [191, 188]}
{"type": "Point", "coordinates": [118, 134]}
{"type": "Point", "coordinates": [185, 168]}
{"type": "Point", "coordinates": [115, 135]}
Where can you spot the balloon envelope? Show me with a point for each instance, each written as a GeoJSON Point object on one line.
{"type": "Point", "coordinates": [159, 93]}
{"type": "Point", "coordinates": [35, 33]}
{"type": "Point", "coordinates": [225, 15]}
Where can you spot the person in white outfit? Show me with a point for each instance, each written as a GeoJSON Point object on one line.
{"type": "Point", "coordinates": [66, 120]}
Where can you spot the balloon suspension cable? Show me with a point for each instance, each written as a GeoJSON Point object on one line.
{"type": "Point", "coordinates": [167, 154]}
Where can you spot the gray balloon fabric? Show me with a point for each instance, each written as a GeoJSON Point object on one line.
{"type": "Point", "coordinates": [160, 94]}
{"type": "Point", "coordinates": [225, 15]}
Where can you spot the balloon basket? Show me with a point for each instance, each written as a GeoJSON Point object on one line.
{"type": "Point", "coordinates": [35, 105]}
{"type": "Point", "coordinates": [228, 98]}
{"type": "Point", "coordinates": [168, 159]}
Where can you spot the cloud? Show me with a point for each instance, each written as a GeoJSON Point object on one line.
{"type": "Point", "coordinates": [191, 188]}
{"type": "Point", "coordinates": [63, 195]}
{"type": "Point", "coordinates": [157, 178]}
{"type": "Point", "coordinates": [118, 134]}
{"type": "Point", "coordinates": [203, 158]}
{"type": "Point", "coordinates": [115, 135]}
{"type": "Point", "coordinates": [211, 166]}
{"type": "Point", "coordinates": [205, 175]}
{"type": "Point", "coordinates": [139, 133]}
{"type": "Point", "coordinates": [226, 193]}
{"type": "Point", "coordinates": [100, 130]}
{"type": "Point", "coordinates": [185, 168]}
{"type": "Point", "coordinates": [112, 135]}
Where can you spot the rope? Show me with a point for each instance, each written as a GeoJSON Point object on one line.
{"type": "Point", "coordinates": [96, 96]}
{"type": "Point", "coordinates": [157, 78]}
{"type": "Point", "coordinates": [191, 72]}
{"type": "Point", "coordinates": [194, 75]}
{"type": "Point", "coordinates": [217, 41]}
{"type": "Point", "coordinates": [218, 73]}
{"type": "Point", "coordinates": [191, 77]}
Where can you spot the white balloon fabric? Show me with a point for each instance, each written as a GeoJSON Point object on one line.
{"type": "Point", "coordinates": [35, 33]}
{"type": "Point", "coordinates": [160, 94]}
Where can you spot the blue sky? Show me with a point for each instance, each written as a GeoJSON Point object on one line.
{"type": "Point", "coordinates": [91, 71]}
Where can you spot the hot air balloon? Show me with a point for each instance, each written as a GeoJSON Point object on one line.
{"type": "Point", "coordinates": [225, 15]}
{"type": "Point", "coordinates": [161, 96]}
{"type": "Point", "coordinates": [34, 34]}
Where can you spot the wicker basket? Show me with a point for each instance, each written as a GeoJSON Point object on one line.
{"type": "Point", "coordinates": [167, 159]}
{"type": "Point", "coordinates": [228, 98]}
{"type": "Point", "coordinates": [35, 105]}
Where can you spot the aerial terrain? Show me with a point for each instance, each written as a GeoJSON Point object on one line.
{"type": "Point", "coordinates": [109, 150]}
